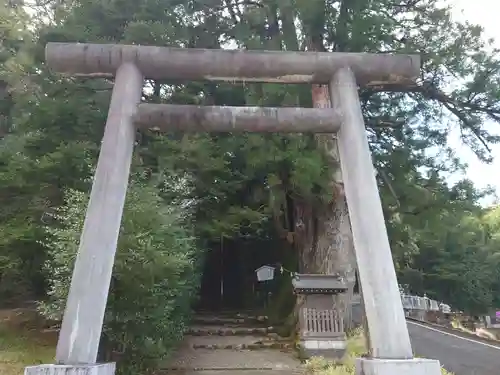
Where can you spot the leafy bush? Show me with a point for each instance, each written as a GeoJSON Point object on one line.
{"type": "Point", "coordinates": [154, 278]}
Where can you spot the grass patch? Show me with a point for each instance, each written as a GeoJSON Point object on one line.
{"type": "Point", "coordinates": [356, 347]}
{"type": "Point", "coordinates": [23, 342]}
{"type": "Point", "coordinates": [480, 332]}
{"type": "Point", "coordinates": [456, 324]}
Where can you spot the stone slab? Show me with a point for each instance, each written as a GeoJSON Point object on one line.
{"type": "Point", "coordinates": [329, 349]}
{"type": "Point", "coordinates": [95, 369]}
{"type": "Point", "coordinates": [232, 372]}
{"type": "Point", "coordinates": [415, 366]}
{"type": "Point", "coordinates": [205, 359]}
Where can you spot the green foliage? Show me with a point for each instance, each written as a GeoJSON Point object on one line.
{"type": "Point", "coordinates": [241, 186]}
{"type": "Point", "coordinates": [154, 278]}
{"type": "Point", "coordinates": [459, 262]}
{"type": "Point", "coordinates": [238, 187]}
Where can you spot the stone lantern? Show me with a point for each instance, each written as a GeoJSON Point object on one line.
{"type": "Point", "coordinates": [321, 324]}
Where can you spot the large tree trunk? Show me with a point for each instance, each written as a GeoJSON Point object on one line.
{"type": "Point", "coordinates": [323, 234]}
{"type": "Point", "coordinates": [333, 250]}
{"type": "Point", "coordinates": [330, 249]}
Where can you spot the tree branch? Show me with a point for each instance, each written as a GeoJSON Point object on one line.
{"type": "Point", "coordinates": [430, 91]}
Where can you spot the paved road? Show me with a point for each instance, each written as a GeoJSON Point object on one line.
{"type": "Point", "coordinates": [458, 355]}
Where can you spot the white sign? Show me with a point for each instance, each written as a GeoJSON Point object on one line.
{"type": "Point", "coordinates": [265, 273]}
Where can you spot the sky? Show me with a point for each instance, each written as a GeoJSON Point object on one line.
{"type": "Point", "coordinates": [485, 13]}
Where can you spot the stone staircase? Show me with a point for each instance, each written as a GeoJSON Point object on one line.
{"type": "Point", "coordinates": [228, 343]}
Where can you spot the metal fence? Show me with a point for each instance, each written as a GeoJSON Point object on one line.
{"type": "Point", "coordinates": [422, 308]}
{"type": "Point", "coordinates": [412, 303]}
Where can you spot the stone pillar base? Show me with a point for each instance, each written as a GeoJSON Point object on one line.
{"type": "Point", "coordinates": [326, 348]}
{"type": "Point", "coordinates": [415, 366]}
{"type": "Point", "coordinates": [97, 369]}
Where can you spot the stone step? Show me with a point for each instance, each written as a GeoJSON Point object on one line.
{"type": "Point", "coordinates": [227, 313]}
{"type": "Point", "coordinates": [253, 346]}
{"type": "Point", "coordinates": [229, 331]}
{"type": "Point", "coordinates": [231, 371]}
{"type": "Point", "coordinates": [188, 359]}
{"type": "Point", "coordinates": [230, 321]}
{"type": "Point", "coordinates": [238, 343]}
{"type": "Point", "coordinates": [217, 320]}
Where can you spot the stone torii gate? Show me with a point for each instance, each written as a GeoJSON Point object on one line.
{"type": "Point", "coordinates": [390, 347]}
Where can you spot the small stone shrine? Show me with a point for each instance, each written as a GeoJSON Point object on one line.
{"type": "Point", "coordinates": [321, 325]}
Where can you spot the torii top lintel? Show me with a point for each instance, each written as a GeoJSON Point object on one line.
{"type": "Point", "coordinates": [231, 65]}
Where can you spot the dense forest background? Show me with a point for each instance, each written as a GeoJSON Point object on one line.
{"type": "Point", "coordinates": [189, 192]}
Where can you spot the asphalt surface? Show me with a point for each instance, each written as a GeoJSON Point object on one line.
{"type": "Point", "coordinates": [456, 354]}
